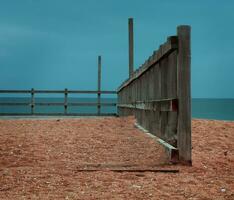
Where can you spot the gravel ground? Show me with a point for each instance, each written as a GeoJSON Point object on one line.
{"type": "Point", "coordinates": [42, 159]}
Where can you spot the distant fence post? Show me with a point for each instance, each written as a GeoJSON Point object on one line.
{"type": "Point", "coordinates": [131, 47]}
{"type": "Point", "coordinates": [184, 93]}
{"type": "Point", "coordinates": [65, 100]}
{"type": "Point", "coordinates": [32, 101]}
{"type": "Point", "coordinates": [99, 85]}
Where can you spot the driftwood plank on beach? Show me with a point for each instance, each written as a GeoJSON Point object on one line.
{"type": "Point", "coordinates": [130, 170]}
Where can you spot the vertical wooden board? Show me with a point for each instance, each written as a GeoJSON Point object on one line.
{"type": "Point", "coordinates": [120, 113]}
{"type": "Point", "coordinates": [137, 99]}
{"type": "Point", "coordinates": [32, 101]}
{"type": "Point", "coordinates": [140, 98]}
{"type": "Point", "coordinates": [184, 94]}
{"type": "Point", "coordinates": [164, 81]}
{"type": "Point", "coordinates": [65, 101]}
{"type": "Point", "coordinates": [99, 85]}
{"type": "Point", "coordinates": [124, 101]}
{"type": "Point", "coordinates": [131, 46]}
{"type": "Point", "coordinates": [157, 95]}
{"type": "Point", "coordinates": [133, 91]}
{"type": "Point", "coordinates": [171, 75]}
{"type": "Point", "coordinates": [164, 95]}
{"type": "Point", "coordinates": [171, 128]}
{"type": "Point", "coordinates": [137, 112]}
{"type": "Point", "coordinates": [151, 119]}
{"type": "Point", "coordinates": [118, 102]}
{"type": "Point", "coordinates": [127, 99]}
{"type": "Point", "coordinates": [147, 112]}
{"type": "Point", "coordinates": [143, 93]}
{"type": "Point", "coordinates": [151, 83]}
{"type": "Point", "coordinates": [130, 98]}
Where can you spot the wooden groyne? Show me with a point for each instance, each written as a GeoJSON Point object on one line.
{"type": "Point", "coordinates": [158, 93]}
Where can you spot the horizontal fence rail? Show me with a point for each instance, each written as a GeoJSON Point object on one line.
{"type": "Point", "coordinates": [158, 93]}
{"type": "Point", "coordinates": [58, 91]}
{"type": "Point", "coordinates": [32, 102]}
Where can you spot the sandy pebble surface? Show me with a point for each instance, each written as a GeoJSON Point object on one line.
{"type": "Point", "coordinates": [41, 159]}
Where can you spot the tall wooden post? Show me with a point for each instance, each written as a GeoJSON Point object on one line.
{"type": "Point", "coordinates": [184, 94]}
{"type": "Point", "coordinates": [65, 100]}
{"type": "Point", "coordinates": [99, 84]}
{"type": "Point", "coordinates": [32, 101]}
{"type": "Point", "coordinates": [131, 47]}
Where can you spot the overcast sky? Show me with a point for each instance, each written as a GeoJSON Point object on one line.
{"type": "Point", "coordinates": [54, 44]}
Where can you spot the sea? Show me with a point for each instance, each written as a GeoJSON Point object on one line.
{"type": "Point", "coordinates": [219, 109]}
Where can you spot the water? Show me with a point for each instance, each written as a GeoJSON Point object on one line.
{"type": "Point", "coordinates": [220, 109]}
{"type": "Point", "coordinates": [57, 109]}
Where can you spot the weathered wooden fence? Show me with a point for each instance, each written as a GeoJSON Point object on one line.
{"type": "Point", "coordinates": [32, 103]}
{"type": "Point", "coordinates": [158, 93]}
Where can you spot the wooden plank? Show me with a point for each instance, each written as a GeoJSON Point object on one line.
{"type": "Point", "coordinates": [99, 85]}
{"type": "Point", "coordinates": [15, 104]}
{"type": "Point", "coordinates": [144, 96]}
{"type": "Point", "coordinates": [129, 170]}
{"type": "Point", "coordinates": [141, 88]}
{"type": "Point", "coordinates": [184, 94]}
{"type": "Point", "coordinates": [32, 101]}
{"type": "Point", "coordinates": [92, 104]}
{"type": "Point", "coordinates": [55, 104]}
{"type": "Point", "coordinates": [172, 117]}
{"type": "Point", "coordinates": [165, 49]}
{"type": "Point", "coordinates": [65, 101]}
{"type": "Point", "coordinates": [91, 92]}
{"type": "Point", "coordinates": [15, 91]}
{"type": "Point", "coordinates": [131, 46]}
{"type": "Point", "coordinates": [57, 114]}
{"type": "Point", "coordinates": [151, 97]}
{"type": "Point", "coordinates": [171, 151]}
{"type": "Point", "coordinates": [165, 105]}
{"type": "Point", "coordinates": [147, 112]}
{"type": "Point", "coordinates": [49, 104]}
{"type": "Point", "coordinates": [119, 101]}
{"type": "Point", "coordinates": [156, 118]}
{"type": "Point", "coordinates": [164, 82]}
{"type": "Point", "coordinates": [59, 91]}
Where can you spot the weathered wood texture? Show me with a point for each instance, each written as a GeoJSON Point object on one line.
{"type": "Point", "coordinates": [57, 91]}
{"type": "Point", "coordinates": [131, 47]}
{"type": "Point", "coordinates": [158, 93]}
{"type": "Point", "coordinates": [33, 103]}
{"type": "Point", "coordinates": [65, 101]}
{"type": "Point", "coordinates": [99, 84]}
{"type": "Point", "coordinates": [184, 93]}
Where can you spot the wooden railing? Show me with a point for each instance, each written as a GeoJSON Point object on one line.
{"type": "Point", "coordinates": [158, 93]}
{"type": "Point", "coordinates": [32, 102]}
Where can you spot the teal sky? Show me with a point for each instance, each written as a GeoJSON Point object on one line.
{"type": "Point", "coordinates": [54, 44]}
